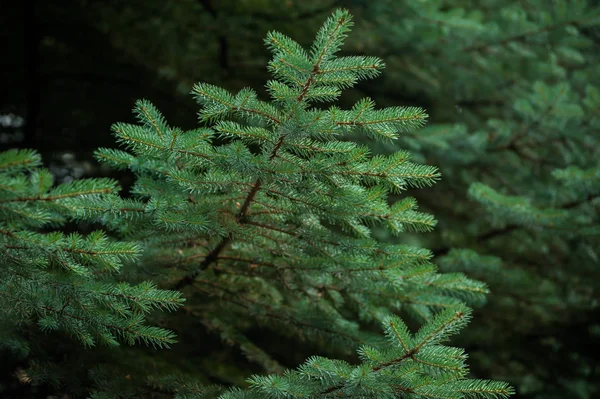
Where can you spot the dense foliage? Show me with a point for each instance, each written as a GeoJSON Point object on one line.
{"type": "Point", "coordinates": [269, 225]}
{"type": "Point", "coordinates": [512, 93]}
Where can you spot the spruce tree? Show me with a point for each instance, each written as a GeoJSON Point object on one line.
{"type": "Point", "coordinates": [263, 217]}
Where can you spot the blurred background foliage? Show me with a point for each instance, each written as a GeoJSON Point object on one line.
{"type": "Point", "coordinates": [513, 93]}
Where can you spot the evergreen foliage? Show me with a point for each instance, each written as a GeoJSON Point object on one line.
{"type": "Point", "coordinates": [514, 88]}
{"type": "Point", "coordinates": [66, 281]}
{"type": "Point", "coordinates": [510, 87]}
{"type": "Point", "coordinates": [262, 216]}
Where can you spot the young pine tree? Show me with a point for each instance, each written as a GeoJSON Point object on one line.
{"type": "Point", "coordinates": [263, 218]}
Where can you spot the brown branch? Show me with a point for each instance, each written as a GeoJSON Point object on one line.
{"type": "Point", "coordinates": [242, 214]}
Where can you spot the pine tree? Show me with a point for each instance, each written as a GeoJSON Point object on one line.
{"type": "Point", "coordinates": [264, 217]}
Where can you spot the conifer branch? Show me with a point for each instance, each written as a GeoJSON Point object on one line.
{"type": "Point", "coordinates": [242, 214]}
{"type": "Point", "coordinates": [60, 196]}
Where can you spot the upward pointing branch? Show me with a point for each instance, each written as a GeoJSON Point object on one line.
{"type": "Point", "coordinates": [242, 214]}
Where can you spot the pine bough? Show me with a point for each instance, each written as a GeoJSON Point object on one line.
{"type": "Point", "coordinates": [264, 216]}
